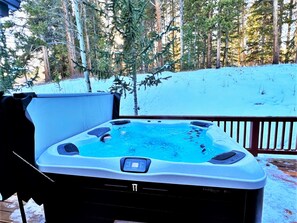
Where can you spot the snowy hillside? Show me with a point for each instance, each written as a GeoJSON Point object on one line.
{"type": "Point", "coordinates": [247, 91]}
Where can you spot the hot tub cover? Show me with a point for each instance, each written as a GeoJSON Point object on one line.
{"type": "Point", "coordinates": [17, 150]}
{"type": "Point", "coordinates": [18, 171]}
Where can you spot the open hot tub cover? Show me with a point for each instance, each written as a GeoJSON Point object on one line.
{"type": "Point", "coordinates": [18, 172]}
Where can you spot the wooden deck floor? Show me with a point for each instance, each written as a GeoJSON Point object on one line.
{"type": "Point", "coordinates": [10, 207]}
{"type": "Point", "coordinates": [6, 208]}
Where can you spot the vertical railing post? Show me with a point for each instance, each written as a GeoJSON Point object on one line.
{"type": "Point", "coordinates": [254, 137]}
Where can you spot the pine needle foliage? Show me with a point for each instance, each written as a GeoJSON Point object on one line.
{"type": "Point", "coordinates": [12, 65]}
{"type": "Point", "coordinates": [138, 49]}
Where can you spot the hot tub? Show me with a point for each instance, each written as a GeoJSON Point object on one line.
{"type": "Point", "coordinates": [153, 171]}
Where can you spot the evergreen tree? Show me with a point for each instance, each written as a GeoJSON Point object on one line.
{"type": "Point", "coordinates": [226, 24]}
{"type": "Point", "coordinates": [195, 33]}
{"type": "Point", "coordinates": [137, 48]}
{"type": "Point", "coordinates": [46, 24]}
{"type": "Point", "coordinates": [13, 63]}
{"type": "Point", "coordinates": [101, 46]}
{"type": "Point", "coordinates": [237, 37]}
{"type": "Point", "coordinates": [259, 33]}
{"type": "Point", "coordinates": [6, 71]}
{"type": "Point", "coordinates": [290, 51]}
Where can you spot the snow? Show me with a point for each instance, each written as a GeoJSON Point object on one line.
{"type": "Point", "coordinates": [32, 210]}
{"type": "Point", "coordinates": [243, 91]}
{"type": "Point", "coordinates": [280, 194]}
{"type": "Point", "coordinates": [248, 91]}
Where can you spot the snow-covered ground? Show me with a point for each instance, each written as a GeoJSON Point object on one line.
{"type": "Point", "coordinates": [244, 91]}
{"type": "Point", "coordinates": [248, 91]}
{"type": "Point", "coordinates": [280, 193]}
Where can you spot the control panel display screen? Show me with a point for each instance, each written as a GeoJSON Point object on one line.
{"type": "Point", "coordinates": [136, 165]}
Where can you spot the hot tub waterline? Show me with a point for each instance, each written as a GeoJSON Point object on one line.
{"type": "Point", "coordinates": [176, 142]}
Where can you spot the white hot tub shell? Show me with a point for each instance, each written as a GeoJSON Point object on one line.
{"type": "Point", "coordinates": [218, 181]}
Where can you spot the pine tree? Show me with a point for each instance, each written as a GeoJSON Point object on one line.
{"type": "Point", "coordinates": [6, 78]}
{"type": "Point", "coordinates": [138, 48]}
{"type": "Point", "coordinates": [45, 20]}
{"type": "Point", "coordinates": [259, 33]}
{"type": "Point", "coordinates": [12, 65]}
{"type": "Point", "coordinates": [196, 26]}
{"type": "Point", "coordinates": [290, 50]}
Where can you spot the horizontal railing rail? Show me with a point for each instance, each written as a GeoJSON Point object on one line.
{"type": "Point", "coordinates": [271, 135]}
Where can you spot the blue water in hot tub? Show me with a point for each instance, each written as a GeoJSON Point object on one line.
{"type": "Point", "coordinates": [178, 142]}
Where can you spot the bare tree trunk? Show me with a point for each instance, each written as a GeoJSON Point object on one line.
{"type": "Point", "coordinates": [159, 29]}
{"type": "Point", "coordinates": [47, 72]}
{"type": "Point", "coordinates": [226, 62]}
{"type": "Point", "coordinates": [287, 55]}
{"type": "Point", "coordinates": [181, 9]}
{"type": "Point", "coordinates": [87, 38]}
{"type": "Point", "coordinates": [218, 62]}
{"type": "Point", "coordinates": [134, 75]}
{"type": "Point", "coordinates": [204, 52]}
{"type": "Point", "coordinates": [173, 32]}
{"type": "Point", "coordinates": [209, 43]}
{"type": "Point", "coordinates": [241, 35]}
{"type": "Point", "coordinates": [296, 45]}
{"type": "Point", "coordinates": [197, 65]}
{"type": "Point", "coordinates": [275, 34]}
{"type": "Point", "coordinates": [262, 44]}
{"type": "Point", "coordinates": [70, 40]}
{"type": "Point", "coordinates": [280, 12]}
{"type": "Point", "coordinates": [82, 45]}
{"type": "Point", "coordinates": [209, 48]}
{"type": "Point", "coordinates": [135, 96]}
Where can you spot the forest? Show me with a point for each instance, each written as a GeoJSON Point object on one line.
{"type": "Point", "coordinates": [57, 39]}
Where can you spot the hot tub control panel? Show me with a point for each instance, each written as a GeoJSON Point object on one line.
{"type": "Point", "coordinates": [135, 165]}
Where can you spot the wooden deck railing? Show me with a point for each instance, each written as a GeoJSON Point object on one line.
{"type": "Point", "coordinates": [273, 135]}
